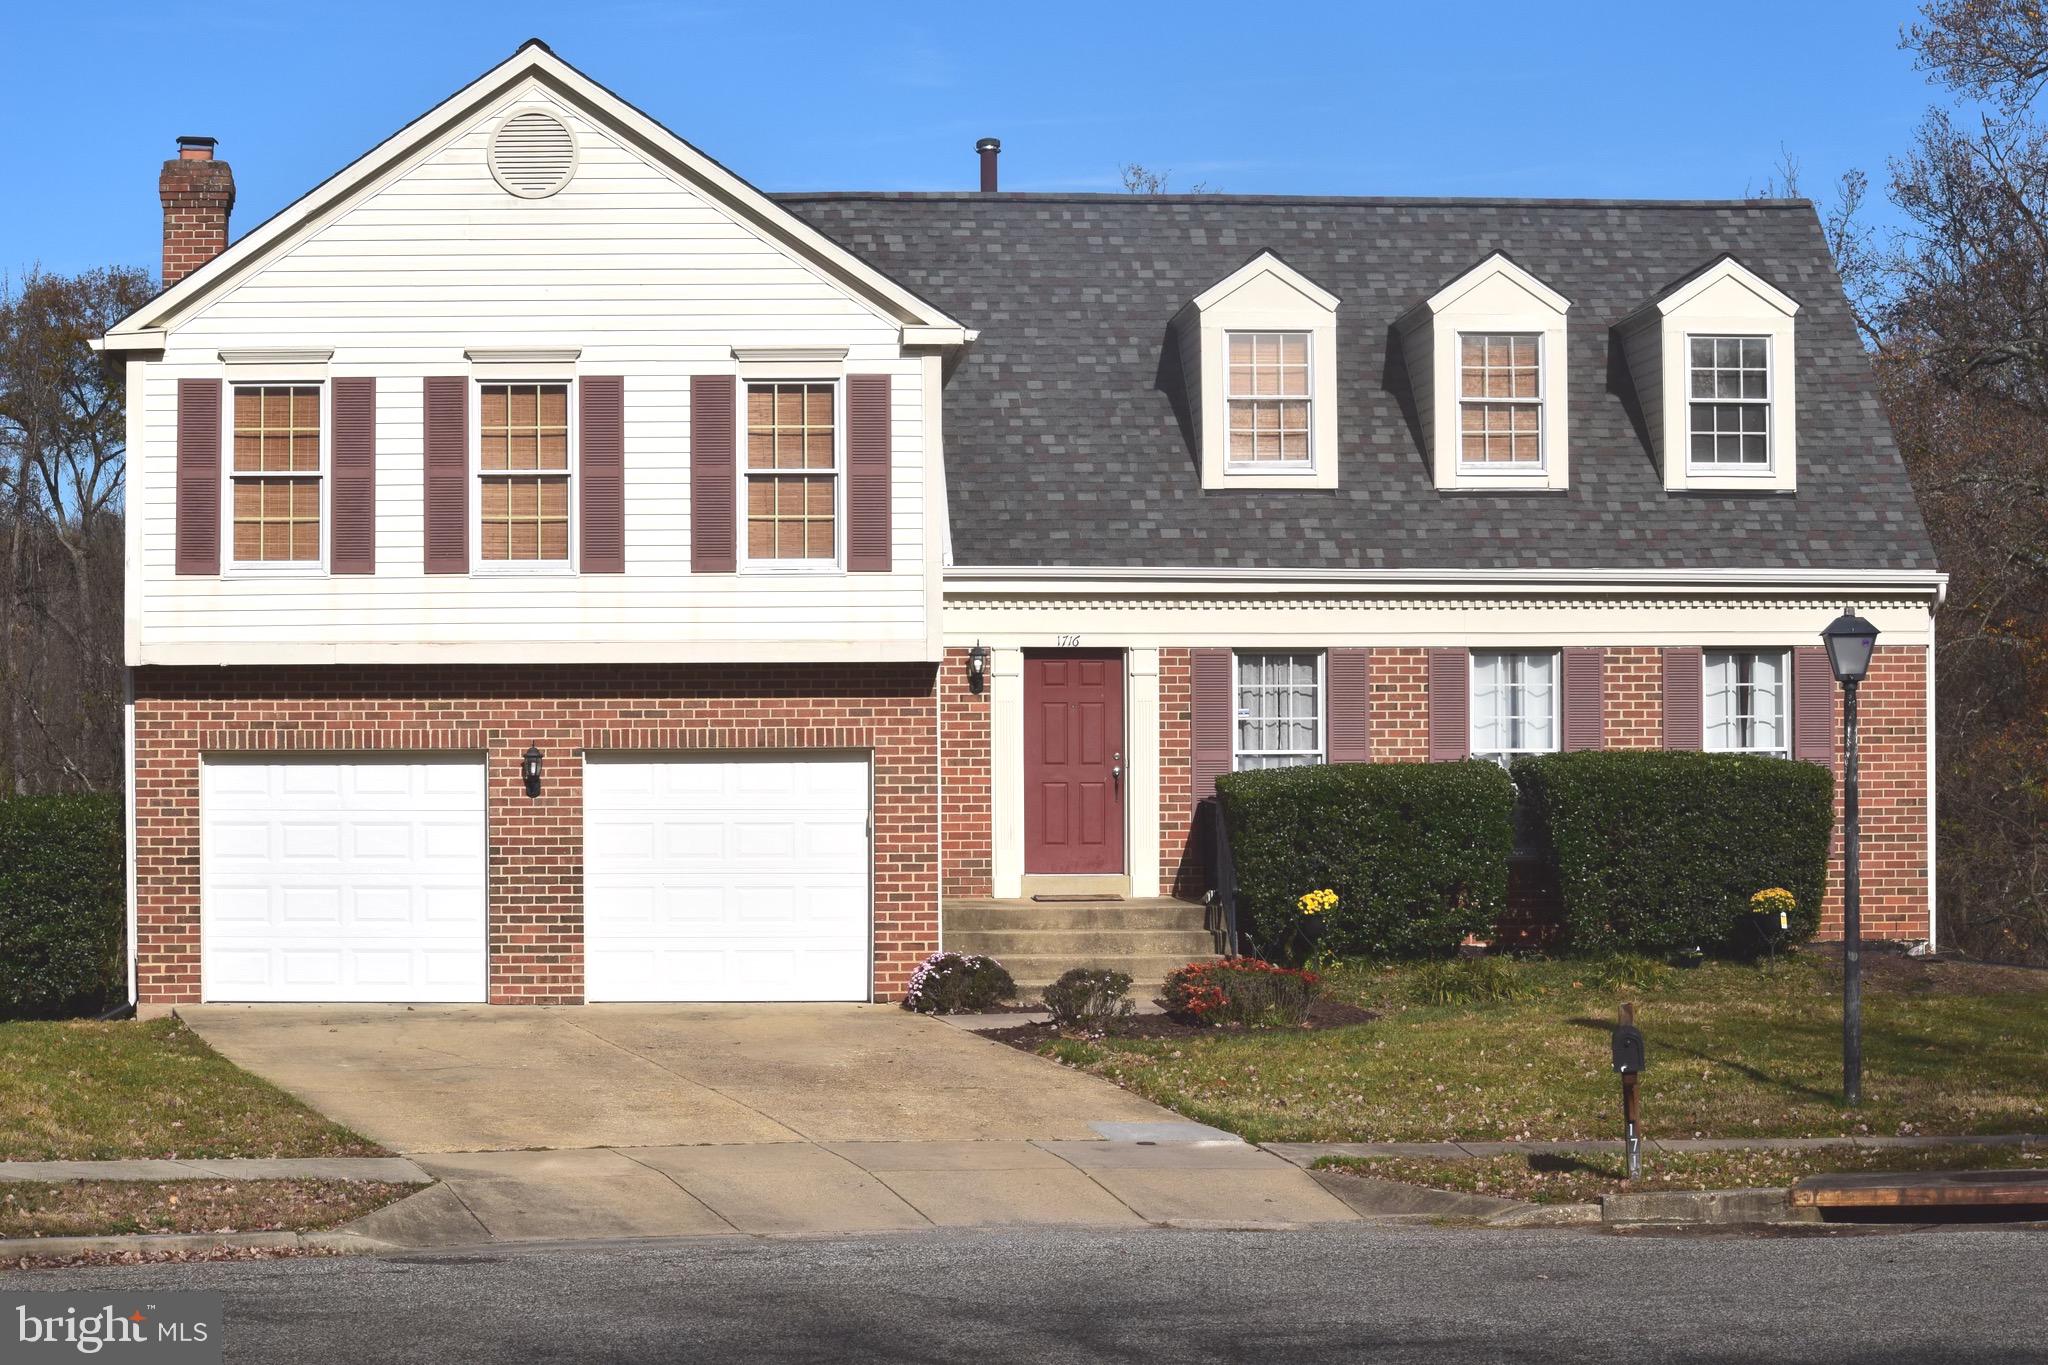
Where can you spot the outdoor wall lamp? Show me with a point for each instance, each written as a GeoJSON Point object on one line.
{"type": "Point", "coordinates": [529, 769]}
{"type": "Point", "coordinates": [1850, 640]}
{"type": "Point", "coordinates": [977, 668]}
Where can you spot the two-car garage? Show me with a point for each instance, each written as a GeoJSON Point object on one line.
{"type": "Point", "coordinates": [366, 878]}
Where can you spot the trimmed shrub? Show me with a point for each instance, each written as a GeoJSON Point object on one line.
{"type": "Point", "coordinates": [1468, 981]}
{"type": "Point", "coordinates": [1416, 852]}
{"type": "Point", "coordinates": [1242, 990]}
{"type": "Point", "coordinates": [63, 907]}
{"type": "Point", "coordinates": [1091, 1001]}
{"type": "Point", "coordinates": [1659, 853]}
{"type": "Point", "coordinates": [958, 983]}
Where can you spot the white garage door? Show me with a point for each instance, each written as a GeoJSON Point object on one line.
{"type": "Point", "coordinates": [342, 881]}
{"type": "Point", "coordinates": [725, 879]}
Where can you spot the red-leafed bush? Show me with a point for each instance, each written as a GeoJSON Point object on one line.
{"type": "Point", "coordinates": [1242, 990]}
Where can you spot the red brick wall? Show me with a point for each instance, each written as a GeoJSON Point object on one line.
{"type": "Point", "coordinates": [536, 856]}
{"type": "Point", "coordinates": [1183, 859]}
{"type": "Point", "coordinates": [1892, 715]}
{"type": "Point", "coordinates": [965, 812]}
{"type": "Point", "coordinates": [1634, 683]}
{"type": "Point", "coordinates": [1399, 720]}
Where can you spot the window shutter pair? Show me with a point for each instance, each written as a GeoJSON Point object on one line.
{"type": "Point", "coordinates": [1583, 706]}
{"type": "Point", "coordinates": [1813, 705]}
{"type": "Point", "coordinates": [1347, 676]}
{"type": "Point", "coordinates": [714, 474]}
{"type": "Point", "coordinates": [351, 485]}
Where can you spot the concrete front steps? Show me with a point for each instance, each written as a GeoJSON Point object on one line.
{"type": "Point", "coordinates": [1040, 940]}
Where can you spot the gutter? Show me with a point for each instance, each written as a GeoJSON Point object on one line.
{"type": "Point", "coordinates": [1081, 579]}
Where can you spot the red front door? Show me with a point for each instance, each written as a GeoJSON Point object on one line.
{"type": "Point", "coordinates": [1073, 763]}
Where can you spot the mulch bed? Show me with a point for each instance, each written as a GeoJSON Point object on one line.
{"type": "Point", "coordinates": [1324, 1014]}
{"type": "Point", "coordinates": [1886, 967]}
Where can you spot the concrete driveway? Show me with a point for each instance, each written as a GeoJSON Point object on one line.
{"type": "Point", "coordinates": [685, 1120]}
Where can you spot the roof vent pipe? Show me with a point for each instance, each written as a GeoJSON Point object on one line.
{"type": "Point", "coordinates": [990, 148]}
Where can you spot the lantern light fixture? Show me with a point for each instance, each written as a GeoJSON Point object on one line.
{"type": "Point", "coordinates": [529, 769]}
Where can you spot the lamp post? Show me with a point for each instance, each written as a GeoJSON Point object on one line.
{"type": "Point", "coordinates": [1850, 640]}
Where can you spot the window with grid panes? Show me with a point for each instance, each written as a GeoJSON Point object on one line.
{"type": "Point", "coordinates": [1731, 401]}
{"type": "Point", "coordinates": [792, 473]}
{"type": "Point", "coordinates": [524, 469]}
{"type": "Point", "coordinates": [274, 472]}
{"type": "Point", "coordinates": [1268, 396]}
{"type": "Point", "coordinates": [1514, 704]}
{"type": "Point", "coordinates": [1500, 400]}
{"type": "Point", "coordinates": [1745, 701]}
{"type": "Point", "coordinates": [1279, 710]}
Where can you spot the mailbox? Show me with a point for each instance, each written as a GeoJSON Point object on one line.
{"type": "Point", "coordinates": [1628, 1049]}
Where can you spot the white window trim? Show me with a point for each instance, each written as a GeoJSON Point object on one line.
{"type": "Point", "coordinates": [273, 568]}
{"type": "Point", "coordinates": [1263, 295]}
{"type": "Point", "coordinates": [1783, 749]}
{"type": "Point", "coordinates": [1696, 471]}
{"type": "Point", "coordinates": [1238, 468]}
{"type": "Point", "coordinates": [1506, 755]}
{"type": "Point", "coordinates": [836, 564]}
{"type": "Point", "coordinates": [1495, 296]}
{"type": "Point", "coordinates": [1500, 471]}
{"type": "Point", "coordinates": [1322, 751]}
{"type": "Point", "coordinates": [1725, 299]}
{"type": "Point", "coordinates": [522, 568]}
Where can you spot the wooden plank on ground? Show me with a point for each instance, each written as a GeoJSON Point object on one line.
{"type": "Point", "coordinates": [1921, 1189]}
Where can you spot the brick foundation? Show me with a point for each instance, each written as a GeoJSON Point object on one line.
{"type": "Point", "coordinates": [535, 861]}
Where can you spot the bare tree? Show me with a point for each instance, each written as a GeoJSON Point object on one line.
{"type": "Point", "coordinates": [62, 464]}
{"type": "Point", "coordinates": [1141, 179]}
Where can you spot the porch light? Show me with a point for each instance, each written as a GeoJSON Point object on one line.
{"type": "Point", "coordinates": [529, 769]}
{"type": "Point", "coordinates": [1850, 640]}
{"type": "Point", "coordinates": [977, 668]}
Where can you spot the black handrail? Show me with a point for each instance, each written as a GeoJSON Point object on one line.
{"type": "Point", "coordinates": [1223, 875]}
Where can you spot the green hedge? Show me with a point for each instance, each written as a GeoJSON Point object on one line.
{"type": "Point", "coordinates": [1416, 852]}
{"type": "Point", "coordinates": [63, 918]}
{"type": "Point", "coordinates": [1660, 852]}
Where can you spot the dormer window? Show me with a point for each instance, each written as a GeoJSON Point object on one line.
{"type": "Point", "coordinates": [1485, 356]}
{"type": "Point", "coordinates": [1258, 353]}
{"type": "Point", "coordinates": [1730, 422]}
{"type": "Point", "coordinates": [1270, 394]}
{"type": "Point", "coordinates": [1712, 360]}
{"type": "Point", "coordinates": [1500, 401]}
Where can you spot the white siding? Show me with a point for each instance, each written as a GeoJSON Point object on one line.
{"type": "Point", "coordinates": [652, 280]}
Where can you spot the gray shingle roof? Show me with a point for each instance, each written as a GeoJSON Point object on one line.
{"type": "Point", "coordinates": [1063, 445]}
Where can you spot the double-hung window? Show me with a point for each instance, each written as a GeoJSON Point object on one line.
{"type": "Point", "coordinates": [1729, 417]}
{"type": "Point", "coordinates": [524, 465]}
{"type": "Point", "coordinates": [1514, 704]}
{"type": "Point", "coordinates": [274, 475]}
{"type": "Point", "coordinates": [1279, 710]}
{"type": "Point", "coordinates": [1745, 701]}
{"type": "Point", "coordinates": [792, 473]}
{"type": "Point", "coordinates": [1269, 397]}
{"type": "Point", "coordinates": [1500, 401]}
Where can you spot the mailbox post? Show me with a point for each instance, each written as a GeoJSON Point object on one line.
{"type": "Point", "coordinates": [1628, 1063]}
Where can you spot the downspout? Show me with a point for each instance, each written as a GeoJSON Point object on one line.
{"type": "Point", "coordinates": [1933, 843]}
{"type": "Point", "coordinates": [128, 791]}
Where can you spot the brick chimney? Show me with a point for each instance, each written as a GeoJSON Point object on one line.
{"type": "Point", "coordinates": [198, 194]}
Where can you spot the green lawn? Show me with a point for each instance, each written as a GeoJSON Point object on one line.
{"type": "Point", "coordinates": [1582, 1178]}
{"type": "Point", "coordinates": [86, 1091]}
{"type": "Point", "coordinates": [1734, 1051]}
{"type": "Point", "coordinates": [103, 1208]}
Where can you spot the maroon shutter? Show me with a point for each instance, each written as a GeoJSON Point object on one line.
{"type": "Point", "coordinates": [1450, 705]}
{"type": "Point", "coordinates": [867, 473]}
{"type": "Point", "coordinates": [1213, 721]}
{"type": "Point", "coordinates": [601, 473]}
{"type": "Point", "coordinates": [1813, 705]}
{"type": "Point", "coordinates": [447, 484]}
{"type": "Point", "coordinates": [1350, 691]}
{"type": "Point", "coordinates": [714, 427]}
{"type": "Point", "coordinates": [1585, 698]}
{"type": "Point", "coordinates": [1684, 719]}
{"type": "Point", "coordinates": [352, 495]}
{"type": "Point", "coordinates": [199, 490]}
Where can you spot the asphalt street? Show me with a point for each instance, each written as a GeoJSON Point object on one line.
{"type": "Point", "coordinates": [1336, 1293]}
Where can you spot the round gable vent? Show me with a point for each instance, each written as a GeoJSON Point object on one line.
{"type": "Point", "coordinates": [533, 154]}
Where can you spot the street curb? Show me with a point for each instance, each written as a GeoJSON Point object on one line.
{"type": "Point", "coordinates": [1720, 1207]}
{"type": "Point", "coordinates": [332, 1243]}
{"type": "Point", "coordinates": [1547, 1216]}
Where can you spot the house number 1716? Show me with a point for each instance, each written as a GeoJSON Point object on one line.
{"type": "Point", "coordinates": [1067, 641]}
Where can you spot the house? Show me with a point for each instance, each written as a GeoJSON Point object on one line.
{"type": "Point", "coordinates": [560, 571]}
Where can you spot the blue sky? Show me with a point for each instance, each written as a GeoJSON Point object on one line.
{"type": "Point", "coordinates": [1365, 98]}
